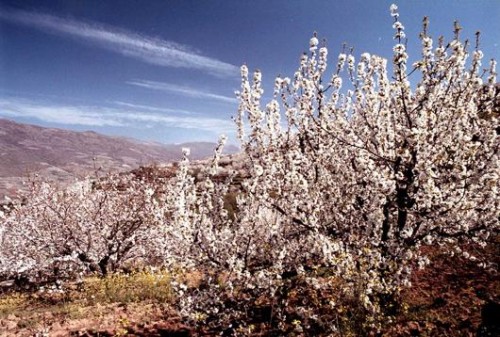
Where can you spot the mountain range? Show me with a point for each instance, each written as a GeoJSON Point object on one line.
{"type": "Point", "coordinates": [62, 155]}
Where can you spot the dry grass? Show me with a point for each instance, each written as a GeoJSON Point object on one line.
{"type": "Point", "coordinates": [101, 304]}
{"type": "Point", "coordinates": [127, 288]}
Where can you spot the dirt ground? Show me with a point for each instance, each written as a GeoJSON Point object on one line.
{"type": "Point", "coordinates": [454, 297]}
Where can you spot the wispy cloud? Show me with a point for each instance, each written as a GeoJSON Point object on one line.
{"type": "Point", "coordinates": [105, 116]}
{"type": "Point", "coordinates": [147, 49]}
{"type": "Point", "coordinates": [72, 115]}
{"type": "Point", "coordinates": [181, 90]}
{"type": "Point", "coordinates": [151, 108]}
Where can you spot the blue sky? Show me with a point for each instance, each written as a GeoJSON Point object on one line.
{"type": "Point", "coordinates": [167, 70]}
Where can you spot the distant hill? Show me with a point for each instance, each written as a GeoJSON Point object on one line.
{"type": "Point", "coordinates": [61, 155]}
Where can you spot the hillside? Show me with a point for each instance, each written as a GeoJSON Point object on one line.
{"type": "Point", "coordinates": [61, 155]}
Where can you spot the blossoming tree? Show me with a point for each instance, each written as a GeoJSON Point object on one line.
{"type": "Point", "coordinates": [355, 181]}
{"type": "Point", "coordinates": [92, 226]}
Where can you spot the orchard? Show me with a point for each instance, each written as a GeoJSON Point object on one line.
{"type": "Point", "coordinates": [354, 167]}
